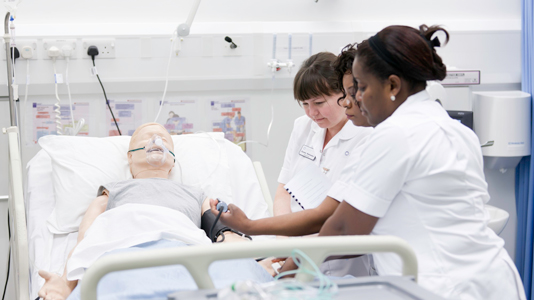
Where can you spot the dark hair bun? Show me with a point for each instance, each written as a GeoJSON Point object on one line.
{"type": "Point", "coordinates": [406, 52]}
{"type": "Point", "coordinates": [440, 71]}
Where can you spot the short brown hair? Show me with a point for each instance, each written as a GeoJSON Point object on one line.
{"type": "Point", "coordinates": [316, 77]}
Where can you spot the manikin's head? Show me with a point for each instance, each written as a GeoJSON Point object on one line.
{"type": "Point", "coordinates": [139, 166]}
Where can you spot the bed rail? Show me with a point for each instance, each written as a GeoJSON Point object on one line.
{"type": "Point", "coordinates": [197, 259]}
{"type": "Point", "coordinates": [17, 212]}
{"type": "Point", "coordinates": [263, 185]}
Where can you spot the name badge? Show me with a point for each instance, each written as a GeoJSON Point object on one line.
{"type": "Point", "coordinates": [307, 152]}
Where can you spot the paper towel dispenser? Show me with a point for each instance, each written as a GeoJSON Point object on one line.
{"type": "Point", "coordinates": [503, 120]}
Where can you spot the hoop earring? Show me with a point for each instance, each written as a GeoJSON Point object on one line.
{"type": "Point", "coordinates": [392, 98]}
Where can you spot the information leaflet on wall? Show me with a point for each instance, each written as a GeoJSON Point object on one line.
{"type": "Point", "coordinates": [128, 114]}
{"type": "Point", "coordinates": [80, 110]}
{"type": "Point", "coordinates": [229, 117]}
{"type": "Point", "coordinates": [44, 119]}
{"type": "Point", "coordinates": [179, 116]}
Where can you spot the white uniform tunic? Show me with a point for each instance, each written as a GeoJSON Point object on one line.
{"type": "Point", "coordinates": [306, 147]}
{"type": "Point", "coordinates": [421, 173]}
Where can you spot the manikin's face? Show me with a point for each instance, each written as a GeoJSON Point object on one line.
{"type": "Point", "coordinates": [324, 110]}
{"type": "Point", "coordinates": [137, 159]}
{"type": "Point", "coordinates": [353, 111]}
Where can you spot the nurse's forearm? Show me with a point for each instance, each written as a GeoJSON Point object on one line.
{"type": "Point", "coordinates": [347, 220]}
{"type": "Point", "coordinates": [295, 224]}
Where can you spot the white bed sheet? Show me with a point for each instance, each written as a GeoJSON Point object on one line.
{"type": "Point", "coordinates": [41, 242]}
{"type": "Point", "coordinates": [40, 201]}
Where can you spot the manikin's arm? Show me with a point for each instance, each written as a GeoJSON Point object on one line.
{"type": "Point", "coordinates": [282, 201]}
{"type": "Point", "coordinates": [229, 237]}
{"type": "Point", "coordinates": [57, 287]}
{"type": "Point", "coordinates": [296, 224]}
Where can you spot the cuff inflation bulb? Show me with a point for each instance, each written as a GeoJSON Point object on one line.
{"type": "Point", "coordinates": [222, 205]}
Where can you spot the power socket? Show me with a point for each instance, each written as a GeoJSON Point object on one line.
{"type": "Point", "coordinates": [60, 44]}
{"type": "Point", "coordinates": [21, 45]}
{"type": "Point", "coordinates": [106, 47]}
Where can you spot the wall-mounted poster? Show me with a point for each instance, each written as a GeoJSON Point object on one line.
{"type": "Point", "coordinates": [44, 119]}
{"type": "Point", "coordinates": [179, 116]}
{"type": "Point", "coordinates": [230, 117]}
{"type": "Point", "coordinates": [129, 115]}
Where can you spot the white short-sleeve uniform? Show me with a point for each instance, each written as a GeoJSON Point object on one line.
{"type": "Point", "coordinates": [421, 173]}
{"type": "Point", "coordinates": [306, 147]}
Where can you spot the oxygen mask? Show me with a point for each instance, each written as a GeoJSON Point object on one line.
{"type": "Point", "coordinates": [156, 152]}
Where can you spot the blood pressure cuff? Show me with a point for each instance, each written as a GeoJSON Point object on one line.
{"type": "Point", "coordinates": [206, 222]}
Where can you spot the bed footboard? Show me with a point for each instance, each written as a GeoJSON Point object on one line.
{"type": "Point", "coordinates": [197, 259]}
{"type": "Point", "coordinates": [263, 184]}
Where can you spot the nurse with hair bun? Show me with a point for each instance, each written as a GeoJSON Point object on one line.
{"type": "Point", "coordinates": [420, 176]}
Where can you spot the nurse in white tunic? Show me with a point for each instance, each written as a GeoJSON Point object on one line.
{"type": "Point", "coordinates": [324, 137]}
{"type": "Point", "coordinates": [420, 177]}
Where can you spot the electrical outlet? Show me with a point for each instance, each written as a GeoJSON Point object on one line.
{"type": "Point", "coordinates": [59, 43]}
{"type": "Point", "coordinates": [228, 51]}
{"type": "Point", "coordinates": [21, 44]}
{"type": "Point", "coordinates": [106, 47]}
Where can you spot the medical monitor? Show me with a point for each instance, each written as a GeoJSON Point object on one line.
{"type": "Point", "coordinates": [464, 117]}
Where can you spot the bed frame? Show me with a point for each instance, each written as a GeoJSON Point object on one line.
{"type": "Point", "coordinates": [318, 249]}
{"type": "Point", "coordinates": [197, 259]}
{"type": "Point", "coordinates": [17, 213]}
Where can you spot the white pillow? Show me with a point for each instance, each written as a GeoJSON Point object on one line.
{"type": "Point", "coordinates": [81, 164]}
{"type": "Point", "coordinates": [204, 163]}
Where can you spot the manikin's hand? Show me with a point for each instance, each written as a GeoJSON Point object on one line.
{"type": "Point", "coordinates": [289, 265]}
{"type": "Point", "coordinates": [55, 287]}
{"type": "Point", "coordinates": [234, 218]}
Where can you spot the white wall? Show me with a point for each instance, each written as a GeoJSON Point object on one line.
{"type": "Point", "coordinates": [142, 16]}
{"type": "Point", "coordinates": [485, 35]}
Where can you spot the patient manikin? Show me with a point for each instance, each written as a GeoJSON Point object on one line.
{"type": "Point", "coordinates": [151, 159]}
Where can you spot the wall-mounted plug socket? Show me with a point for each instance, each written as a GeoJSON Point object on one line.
{"type": "Point", "coordinates": [106, 47]}
{"type": "Point", "coordinates": [21, 44]}
{"type": "Point", "coordinates": [59, 44]}
{"type": "Point", "coordinates": [66, 51]}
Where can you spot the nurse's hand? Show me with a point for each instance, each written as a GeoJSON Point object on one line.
{"type": "Point", "coordinates": [234, 218]}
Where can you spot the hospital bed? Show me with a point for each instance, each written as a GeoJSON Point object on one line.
{"type": "Point", "coordinates": [41, 241]}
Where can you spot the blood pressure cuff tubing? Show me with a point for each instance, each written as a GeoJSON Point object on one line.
{"type": "Point", "coordinates": [207, 221]}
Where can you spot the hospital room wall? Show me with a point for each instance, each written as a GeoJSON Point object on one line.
{"type": "Point", "coordinates": [203, 75]}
